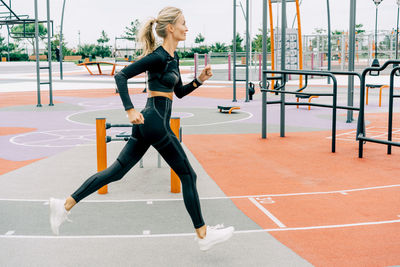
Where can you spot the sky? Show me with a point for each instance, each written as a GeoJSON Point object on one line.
{"type": "Point", "coordinates": [212, 18]}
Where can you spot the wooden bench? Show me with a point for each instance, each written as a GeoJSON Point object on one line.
{"type": "Point", "coordinates": [98, 63]}
{"type": "Point", "coordinates": [224, 109]}
{"type": "Point", "coordinates": [41, 57]}
{"type": "Point", "coordinates": [72, 58]}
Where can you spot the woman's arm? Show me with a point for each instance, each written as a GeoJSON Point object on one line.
{"type": "Point", "coordinates": [183, 90]}
{"type": "Point", "coordinates": [149, 62]}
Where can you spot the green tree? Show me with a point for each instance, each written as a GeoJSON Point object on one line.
{"type": "Point", "coordinates": [359, 28]}
{"type": "Point", "coordinates": [102, 49]}
{"type": "Point", "coordinates": [56, 42]}
{"type": "Point", "coordinates": [199, 39]}
{"type": "Point", "coordinates": [87, 50]}
{"type": "Point", "coordinates": [18, 32]}
{"type": "Point", "coordinates": [219, 47]}
{"type": "Point", "coordinates": [103, 38]}
{"type": "Point", "coordinates": [256, 44]}
{"type": "Point", "coordinates": [239, 40]}
{"type": "Point", "coordinates": [132, 30]}
{"type": "Point", "coordinates": [3, 46]}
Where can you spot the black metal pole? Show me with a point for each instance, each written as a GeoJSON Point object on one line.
{"type": "Point", "coordinates": [264, 75]}
{"type": "Point", "coordinates": [283, 67]}
{"type": "Point", "coordinates": [376, 33]}
{"type": "Point", "coordinates": [329, 38]}
{"type": "Point", "coordinates": [352, 45]}
{"type": "Point", "coordinates": [234, 51]}
{"type": "Point", "coordinates": [247, 50]}
{"type": "Point", "coordinates": [397, 32]}
{"type": "Point", "coordinates": [61, 42]}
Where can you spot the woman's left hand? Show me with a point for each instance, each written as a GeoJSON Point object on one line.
{"type": "Point", "coordinates": [205, 74]}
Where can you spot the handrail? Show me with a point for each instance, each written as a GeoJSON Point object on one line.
{"type": "Point", "coordinates": [361, 116]}
{"type": "Point", "coordinates": [282, 102]}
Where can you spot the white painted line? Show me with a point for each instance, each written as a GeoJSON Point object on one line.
{"type": "Point", "coordinates": [10, 233]}
{"type": "Point", "coordinates": [149, 202]}
{"type": "Point", "coordinates": [343, 193]}
{"type": "Point", "coordinates": [214, 198]}
{"type": "Point", "coordinates": [193, 234]}
{"type": "Point", "coordinates": [222, 122]}
{"type": "Point", "coordinates": [146, 232]}
{"type": "Point", "coordinates": [266, 212]}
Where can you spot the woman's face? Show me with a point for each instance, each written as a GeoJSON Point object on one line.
{"type": "Point", "coordinates": [180, 29]}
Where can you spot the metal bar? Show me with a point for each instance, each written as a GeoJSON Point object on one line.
{"type": "Point", "coordinates": [390, 122]}
{"type": "Point", "coordinates": [9, 8]}
{"type": "Point", "coordinates": [334, 101]}
{"type": "Point", "coordinates": [234, 51]}
{"type": "Point", "coordinates": [352, 45]}
{"type": "Point", "coordinates": [329, 38]}
{"type": "Point", "coordinates": [247, 50]}
{"type": "Point", "coordinates": [61, 41]}
{"type": "Point", "coordinates": [283, 67]}
{"type": "Point", "coordinates": [376, 33]}
{"type": "Point", "coordinates": [366, 139]}
{"type": "Point", "coordinates": [361, 122]}
{"type": "Point", "coordinates": [397, 32]}
{"type": "Point", "coordinates": [119, 125]}
{"type": "Point", "coordinates": [312, 104]}
{"type": "Point", "coordinates": [295, 93]}
{"type": "Point", "coordinates": [264, 67]}
{"type": "Point", "coordinates": [37, 54]}
{"type": "Point", "coordinates": [49, 55]}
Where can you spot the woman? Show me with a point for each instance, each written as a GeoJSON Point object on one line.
{"type": "Point", "coordinates": [151, 125]}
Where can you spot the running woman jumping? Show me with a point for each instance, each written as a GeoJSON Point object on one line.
{"type": "Point", "coordinates": [151, 125]}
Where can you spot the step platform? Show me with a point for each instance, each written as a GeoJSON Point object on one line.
{"type": "Point", "coordinates": [227, 109]}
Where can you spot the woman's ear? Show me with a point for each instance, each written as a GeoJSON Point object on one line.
{"type": "Point", "coordinates": [170, 28]}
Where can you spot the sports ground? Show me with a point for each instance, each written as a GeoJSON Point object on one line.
{"type": "Point", "coordinates": [291, 200]}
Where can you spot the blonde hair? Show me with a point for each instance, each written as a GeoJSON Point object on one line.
{"type": "Point", "coordinates": [167, 15]}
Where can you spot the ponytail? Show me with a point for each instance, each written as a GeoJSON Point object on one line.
{"type": "Point", "coordinates": [146, 37]}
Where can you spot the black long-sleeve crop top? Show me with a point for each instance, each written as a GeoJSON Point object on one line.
{"type": "Point", "coordinates": [163, 75]}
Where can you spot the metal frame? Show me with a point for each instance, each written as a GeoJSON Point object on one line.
{"type": "Point", "coordinates": [15, 20]}
{"type": "Point", "coordinates": [361, 132]}
{"type": "Point", "coordinates": [283, 103]}
{"type": "Point", "coordinates": [246, 15]}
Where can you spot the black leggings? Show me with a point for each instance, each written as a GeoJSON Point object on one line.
{"type": "Point", "coordinates": [155, 131]}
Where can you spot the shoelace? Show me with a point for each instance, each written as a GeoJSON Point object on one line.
{"type": "Point", "coordinates": [215, 227]}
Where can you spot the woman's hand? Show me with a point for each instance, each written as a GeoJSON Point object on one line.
{"type": "Point", "coordinates": [205, 74]}
{"type": "Point", "coordinates": [135, 116]}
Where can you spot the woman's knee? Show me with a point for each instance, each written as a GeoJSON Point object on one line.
{"type": "Point", "coordinates": [115, 172]}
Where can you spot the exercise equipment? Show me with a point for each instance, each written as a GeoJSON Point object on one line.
{"type": "Point", "coordinates": [227, 109]}
{"type": "Point", "coordinates": [101, 144]}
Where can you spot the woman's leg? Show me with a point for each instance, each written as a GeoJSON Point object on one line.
{"type": "Point", "coordinates": [173, 153]}
{"type": "Point", "coordinates": [129, 156]}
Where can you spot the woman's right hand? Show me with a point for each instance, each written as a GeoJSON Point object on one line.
{"type": "Point", "coordinates": [135, 116]}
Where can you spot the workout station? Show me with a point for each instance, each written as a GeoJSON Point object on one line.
{"type": "Point", "coordinates": [294, 143]}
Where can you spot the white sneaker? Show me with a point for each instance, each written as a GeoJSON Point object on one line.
{"type": "Point", "coordinates": [58, 214]}
{"type": "Point", "coordinates": [214, 235]}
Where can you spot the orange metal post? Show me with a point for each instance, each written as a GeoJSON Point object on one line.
{"type": "Point", "coordinates": [101, 149]}
{"type": "Point", "coordinates": [300, 42]}
{"type": "Point", "coordinates": [175, 181]}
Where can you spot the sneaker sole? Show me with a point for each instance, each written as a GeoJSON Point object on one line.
{"type": "Point", "coordinates": [217, 242]}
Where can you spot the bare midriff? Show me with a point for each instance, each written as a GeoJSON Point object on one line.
{"type": "Point", "coordinates": [158, 93]}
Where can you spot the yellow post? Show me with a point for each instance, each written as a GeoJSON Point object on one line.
{"type": "Point", "coordinates": [101, 149]}
{"type": "Point", "coordinates": [299, 42]}
{"type": "Point", "coordinates": [3, 59]}
{"type": "Point", "coordinates": [175, 181]}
